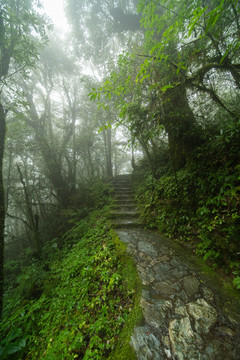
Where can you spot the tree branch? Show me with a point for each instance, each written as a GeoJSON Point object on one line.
{"type": "Point", "coordinates": [18, 218]}
{"type": "Point", "coordinates": [214, 97]}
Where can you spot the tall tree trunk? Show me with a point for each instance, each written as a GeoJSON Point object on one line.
{"type": "Point", "coordinates": [32, 218]}
{"type": "Point", "coordinates": [8, 184]}
{"type": "Point", "coordinates": [54, 169]}
{"type": "Point", "coordinates": [74, 180]}
{"type": "Point", "coordinates": [2, 202]}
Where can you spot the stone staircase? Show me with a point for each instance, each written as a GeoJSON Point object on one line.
{"type": "Point", "coordinates": [124, 213]}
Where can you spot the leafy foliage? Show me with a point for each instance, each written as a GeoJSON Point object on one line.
{"type": "Point", "coordinates": [83, 304]}
{"type": "Point", "coordinates": [201, 202]}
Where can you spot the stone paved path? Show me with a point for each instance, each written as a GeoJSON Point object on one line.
{"type": "Point", "coordinates": [187, 314]}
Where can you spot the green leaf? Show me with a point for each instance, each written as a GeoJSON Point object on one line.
{"type": "Point", "coordinates": [197, 15]}
{"type": "Point", "coordinates": [166, 87]}
{"type": "Point", "coordinates": [12, 349]}
{"type": "Point", "coordinates": [236, 282]}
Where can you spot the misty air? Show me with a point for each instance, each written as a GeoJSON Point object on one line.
{"type": "Point", "coordinates": [119, 180]}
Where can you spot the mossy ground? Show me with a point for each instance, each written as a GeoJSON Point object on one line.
{"type": "Point", "coordinates": [89, 303]}
{"type": "Point", "coordinates": [133, 285]}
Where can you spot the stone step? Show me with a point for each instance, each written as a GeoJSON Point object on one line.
{"type": "Point", "coordinates": [122, 185]}
{"type": "Point", "coordinates": [124, 197]}
{"type": "Point", "coordinates": [123, 190]}
{"type": "Point", "coordinates": [121, 178]}
{"type": "Point", "coordinates": [121, 181]}
{"type": "Point", "coordinates": [124, 202]}
{"type": "Point", "coordinates": [124, 214]}
{"type": "Point", "coordinates": [124, 207]}
{"type": "Point", "coordinates": [126, 223]}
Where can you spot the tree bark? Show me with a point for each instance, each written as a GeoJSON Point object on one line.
{"type": "Point", "coordinates": [107, 138]}
{"type": "Point", "coordinates": [2, 202]}
{"type": "Point", "coordinates": [109, 153]}
{"type": "Point", "coordinates": [180, 125]}
{"type": "Point", "coordinates": [32, 218]}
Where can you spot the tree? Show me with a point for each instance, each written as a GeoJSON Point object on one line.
{"type": "Point", "coordinates": [185, 43]}
{"type": "Point", "coordinates": [22, 32]}
{"type": "Point", "coordinates": [184, 46]}
{"type": "Point", "coordinates": [51, 109]}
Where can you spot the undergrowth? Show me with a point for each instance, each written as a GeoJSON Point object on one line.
{"type": "Point", "coordinates": [200, 203]}
{"type": "Point", "coordinates": [83, 304]}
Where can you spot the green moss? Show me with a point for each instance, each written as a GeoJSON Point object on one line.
{"type": "Point", "coordinates": [133, 285]}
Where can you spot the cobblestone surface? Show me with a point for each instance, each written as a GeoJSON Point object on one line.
{"type": "Point", "coordinates": [187, 314]}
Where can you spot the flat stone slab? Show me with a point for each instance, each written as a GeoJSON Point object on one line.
{"type": "Point", "coordinates": [191, 285]}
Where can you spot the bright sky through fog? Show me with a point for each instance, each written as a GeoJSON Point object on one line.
{"type": "Point", "coordinates": [54, 9]}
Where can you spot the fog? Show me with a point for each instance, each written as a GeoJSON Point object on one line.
{"type": "Point", "coordinates": [90, 90]}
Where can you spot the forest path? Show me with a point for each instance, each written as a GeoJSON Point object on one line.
{"type": "Point", "coordinates": [187, 313]}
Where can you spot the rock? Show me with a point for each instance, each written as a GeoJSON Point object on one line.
{"type": "Point", "coordinates": [164, 250]}
{"type": "Point", "coordinates": [140, 268]}
{"type": "Point", "coordinates": [181, 318]}
{"type": "Point", "coordinates": [146, 278]}
{"type": "Point", "coordinates": [147, 248]}
{"type": "Point", "coordinates": [168, 353]}
{"type": "Point", "coordinates": [156, 313]}
{"type": "Point", "coordinates": [208, 294]}
{"type": "Point", "coordinates": [232, 320]}
{"type": "Point", "coordinates": [164, 288]}
{"type": "Point", "coordinates": [218, 349]}
{"type": "Point", "coordinates": [154, 262]}
{"type": "Point", "coordinates": [175, 274]}
{"type": "Point", "coordinates": [145, 257]}
{"type": "Point", "coordinates": [162, 269]}
{"type": "Point", "coordinates": [139, 343]}
{"type": "Point", "coordinates": [191, 285]}
{"type": "Point", "coordinates": [181, 310]}
{"type": "Point", "coordinates": [166, 340]}
{"type": "Point", "coordinates": [180, 329]}
{"type": "Point", "coordinates": [145, 344]}
{"type": "Point", "coordinates": [145, 294]}
{"type": "Point", "coordinates": [174, 262]}
{"type": "Point", "coordinates": [184, 343]}
{"type": "Point", "coordinates": [204, 314]}
{"type": "Point", "coordinates": [156, 355]}
{"type": "Point", "coordinates": [164, 258]}
{"type": "Point", "coordinates": [183, 296]}
{"type": "Point", "coordinates": [224, 330]}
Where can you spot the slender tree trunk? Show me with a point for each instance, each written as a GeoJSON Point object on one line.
{"type": "Point", "coordinates": [107, 137]}
{"type": "Point", "coordinates": [74, 160]}
{"type": "Point", "coordinates": [133, 155]}
{"type": "Point", "coordinates": [109, 153]}
{"type": "Point", "coordinates": [2, 202]}
{"type": "Point", "coordinates": [8, 185]}
{"type": "Point", "coordinates": [32, 218]}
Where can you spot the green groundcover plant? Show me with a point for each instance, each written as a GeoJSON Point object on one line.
{"type": "Point", "coordinates": [83, 305]}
